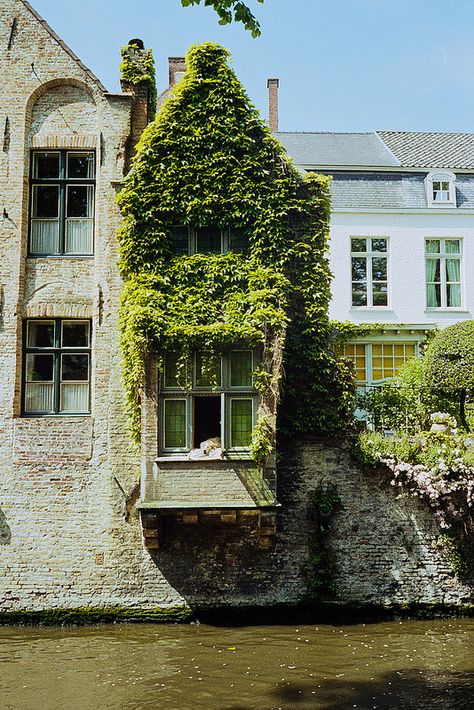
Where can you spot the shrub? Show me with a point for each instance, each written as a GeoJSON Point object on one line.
{"type": "Point", "coordinates": [449, 365]}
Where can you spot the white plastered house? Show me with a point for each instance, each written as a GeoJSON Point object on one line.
{"type": "Point", "coordinates": [402, 236]}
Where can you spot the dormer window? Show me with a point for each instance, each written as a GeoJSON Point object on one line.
{"type": "Point", "coordinates": [440, 189]}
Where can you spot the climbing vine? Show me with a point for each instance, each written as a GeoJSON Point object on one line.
{"type": "Point", "coordinates": [209, 160]}
{"type": "Point", "coordinates": [138, 66]}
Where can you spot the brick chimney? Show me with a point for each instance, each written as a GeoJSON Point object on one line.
{"type": "Point", "coordinates": [176, 68]}
{"type": "Point", "coordinates": [273, 85]}
{"type": "Point", "coordinates": [134, 65]}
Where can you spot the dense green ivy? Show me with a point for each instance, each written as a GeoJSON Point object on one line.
{"type": "Point", "coordinates": [138, 66]}
{"type": "Point", "coordinates": [209, 160]}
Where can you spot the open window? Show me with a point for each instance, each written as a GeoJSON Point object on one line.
{"type": "Point", "coordinates": [211, 398]}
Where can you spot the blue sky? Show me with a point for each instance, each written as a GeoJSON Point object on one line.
{"type": "Point", "coordinates": [344, 65]}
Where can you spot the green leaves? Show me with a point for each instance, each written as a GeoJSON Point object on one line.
{"type": "Point", "coordinates": [231, 11]}
{"type": "Point", "coordinates": [208, 160]}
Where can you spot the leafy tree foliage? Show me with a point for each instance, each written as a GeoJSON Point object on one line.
{"type": "Point", "coordinates": [231, 11]}
{"type": "Point", "coordinates": [449, 365]}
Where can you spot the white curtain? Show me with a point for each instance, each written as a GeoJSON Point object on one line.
{"type": "Point", "coordinates": [453, 279]}
{"type": "Point", "coordinates": [75, 397]}
{"type": "Point", "coordinates": [39, 397]}
{"type": "Point", "coordinates": [78, 235]}
{"type": "Point", "coordinates": [432, 299]}
{"type": "Point", "coordinates": [44, 236]}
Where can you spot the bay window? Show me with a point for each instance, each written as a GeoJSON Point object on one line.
{"type": "Point", "coordinates": [210, 397]}
{"type": "Point", "coordinates": [56, 366]}
{"type": "Point", "coordinates": [62, 203]}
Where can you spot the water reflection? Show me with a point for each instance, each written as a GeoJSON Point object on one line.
{"type": "Point", "coordinates": [383, 666]}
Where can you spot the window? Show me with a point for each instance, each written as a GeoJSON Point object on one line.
{"type": "Point", "coordinates": [56, 366]}
{"type": "Point", "coordinates": [212, 397]}
{"type": "Point", "coordinates": [443, 273]}
{"type": "Point", "coordinates": [369, 271]}
{"type": "Point", "coordinates": [62, 203]}
{"type": "Point", "coordinates": [375, 362]}
{"type": "Point", "coordinates": [206, 240]}
{"type": "Point", "coordinates": [441, 189]}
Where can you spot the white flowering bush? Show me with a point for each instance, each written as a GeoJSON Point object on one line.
{"type": "Point", "coordinates": [433, 466]}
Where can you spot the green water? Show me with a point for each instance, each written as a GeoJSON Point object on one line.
{"type": "Point", "coordinates": [390, 665]}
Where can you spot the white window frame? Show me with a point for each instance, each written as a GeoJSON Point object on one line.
{"type": "Point", "coordinates": [369, 254]}
{"type": "Point", "coordinates": [442, 255]}
{"type": "Point", "coordinates": [440, 176]}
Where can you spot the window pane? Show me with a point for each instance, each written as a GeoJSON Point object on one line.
{"type": "Point", "coordinates": [433, 295]}
{"type": "Point", "coordinates": [80, 165]}
{"type": "Point", "coordinates": [432, 246]}
{"type": "Point", "coordinates": [379, 245]}
{"type": "Point", "coordinates": [44, 236]}
{"type": "Point", "coordinates": [379, 294]}
{"type": "Point", "coordinates": [208, 370]}
{"type": "Point", "coordinates": [78, 236]}
{"type": "Point", "coordinates": [46, 165]}
{"type": "Point", "coordinates": [75, 334]}
{"type": "Point", "coordinates": [39, 397]}
{"type": "Point", "coordinates": [79, 200]}
{"type": "Point", "coordinates": [208, 240]}
{"type": "Point", "coordinates": [175, 423]}
{"type": "Point", "coordinates": [454, 295]}
{"type": "Point", "coordinates": [359, 294]}
{"type": "Point", "coordinates": [241, 422]}
{"type": "Point", "coordinates": [74, 367]}
{"type": "Point", "coordinates": [359, 268]}
{"type": "Point", "coordinates": [179, 240]}
{"type": "Point", "coordinates": [358, 245]}
{"type": "Point", "coordinates": [39, 368]}
{"type": "Point", "coordinates": [452, 246]}
{"type": "Point", "coordinates": [40, 334]}
{"type": "Point", "coordinates": [45, 201]}
{"type": "Point", "coordinates": [238, 240]}
{"type": "Point", "coordinates": [74, 397]}
{"type": "Point", "coordinates": [379, 269]}
{"type": "Point", "coordinates": [241, 368]}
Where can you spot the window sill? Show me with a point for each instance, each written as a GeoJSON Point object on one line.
{"type": "Point", "coordinates": [446, 310]}
{"type": "Point", "coordinates": [371, 308]}
{"type": "Point", "coordinates": [60, 256]}
{"type": "Point", "coordinates": [55, 415]}
{"type": "Point", "coordinates": [207, 461]}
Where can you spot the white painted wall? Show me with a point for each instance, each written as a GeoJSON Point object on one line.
{"type": "Point", "coordinates": [406, 233]}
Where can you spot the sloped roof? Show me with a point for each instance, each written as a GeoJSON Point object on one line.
{"type": "Point", "coordinates": [431, 150]}
{"type": "Point", "coordinates": [381, 149]}
{"type": "Point", "coordinates": [337, 149]}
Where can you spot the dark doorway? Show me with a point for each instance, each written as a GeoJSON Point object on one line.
{"type": "Point", "coordinates": [207, 418]}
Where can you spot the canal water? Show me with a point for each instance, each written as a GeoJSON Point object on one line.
{"type": "Point", "coordinates": [387, 666]}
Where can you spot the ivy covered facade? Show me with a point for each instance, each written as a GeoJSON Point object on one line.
{"type": "Point", "coordinates": [226, 284]}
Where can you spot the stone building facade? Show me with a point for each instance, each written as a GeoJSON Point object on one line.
{"type": "Point", "coordinates": [70, 530]}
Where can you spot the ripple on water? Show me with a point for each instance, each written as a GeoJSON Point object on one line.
{"type": "Point", "coordinates": [383, 666]}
